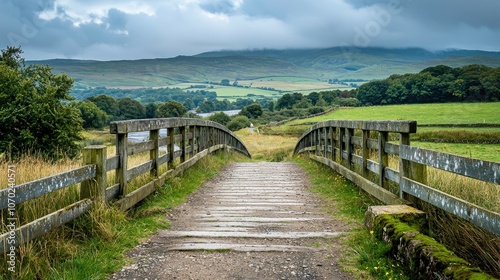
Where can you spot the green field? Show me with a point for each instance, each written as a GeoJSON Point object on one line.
{"type": "Point", "coordinates": [451, 113]}
{"type": "Point", "coordinates": [442, 113]}
{"type": "Point", "coordinates": [281, 84]}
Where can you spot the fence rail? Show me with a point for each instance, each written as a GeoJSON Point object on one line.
{"type": "Point", "coordinates": [346, 146]}
{"type": "Point", "coordinates": [187, 139]}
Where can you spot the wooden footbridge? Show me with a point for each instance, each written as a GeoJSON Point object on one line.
{"type": "Point", "coordinates": [255, 206]}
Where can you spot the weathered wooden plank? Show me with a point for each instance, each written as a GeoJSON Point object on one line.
{"type": "Point", "coordinates": [373, 166]}
{"type": "Point", "coordinates": [475, 214]}
{"type": "Point", "coordinates": [139, 170]}
{"type": "Point", "coordinates": [163, 159]}
{"type": "Point", "coordinates": [240, 247]}
{"type": "Point", "coordinates": [392, 175]}
{"type": "Point", "coordinates": [134, 197]}
{"type": "Point", "coordinates": [112, 163]}
{"type": "Point", "coordinates": [391, 149]}
{"type": "Point", "coordinates": [356, 140]}
{"type": "Point", "coordinates": [33, 189]}
{"type": "Point", "coordinates": [473, 168]}
{"type": "Point", "coordinates": [45, 224]}
{"type": "Point", "coordinates": [372, 144]}
{"type": "Point", "coordinates": [163, 141]}
{"type": "Point", "coordinates": [373, 189]}
{"type": "Point", "coordinates": [284, 235]}
{"type": "Point", "coordinates": [112, 192]}
{"type": "Point", "coordinates": [136, 148]}
{"type": "Point", "coordinates": [358, 160]}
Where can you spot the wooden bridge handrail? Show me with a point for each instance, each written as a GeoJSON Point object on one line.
{"type": "Point", "coordinates": [333, 143]}
{"type": "Point", "coordinates": [196, 138]}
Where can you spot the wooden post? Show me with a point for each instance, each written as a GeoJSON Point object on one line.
{"type": "Point", "coordinates": [95, 188]}
{"type": "Point", "coordinates": [365, 152]}
{"type": "Point", "coordinates": [183, 143]}
{"type": "Point", "coordinates": [334, 143]}
{"type": "Point", "coordinates": [411, 170]}
{"type": "Point", "coordinates": [171, 147]}
{"type": "Point", "coordinates": [342, 145]}
{"type": "Point", "coordinates": [350, 147]}
{"type": "Point", "coordinates": [154, 135]}
{"type": "Point", "coordinates": [194, 141]}
{"type": "Point", "coordinates": [383, 159]}
{"type": "Point", "coordinates": [121, 172]}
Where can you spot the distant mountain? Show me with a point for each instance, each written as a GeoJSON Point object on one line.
{"type": "Point", "coordinates": [319, 64]}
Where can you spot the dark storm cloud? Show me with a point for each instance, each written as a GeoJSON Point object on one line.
{"type": "Point", "coordinates": [158, 28]}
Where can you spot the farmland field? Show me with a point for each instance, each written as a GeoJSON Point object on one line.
{"type": "Point", "coordinates": [450, 113]}
{"type": "Point", "coordinates": [442, 113]}
{"type": "Point", "coordinates": [283, 84]}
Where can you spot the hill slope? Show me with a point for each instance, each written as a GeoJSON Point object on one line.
{"type": "Point", "coordinates": [319, 64]}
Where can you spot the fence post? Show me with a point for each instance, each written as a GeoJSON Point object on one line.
{"type": "Point", "coordinates": [350, 147]}
{"type": "Point", "coordinates": [342, 144]}
{"type": "Point", "coordinates": [95, 188]}
{"type": "Point", "coordinates": [171, 147]}
{"type": "Point", "coordinates": [411, 170]}
{"type": "Point", "coordinates": [383, 159]}
{"type": "Point", "coordinates": [334, 143]}
{"type": "Point", "coordinates": [365, 152]}
{"type": "Point", "coordinates": [154, 136]}
{"type": "Point", "coordinates": [121, 172]}
{"type": "Point", "coordinates": [183, 143]}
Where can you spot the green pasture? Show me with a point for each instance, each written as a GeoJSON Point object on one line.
{"type": "Point", "coordinates": [441, 113]}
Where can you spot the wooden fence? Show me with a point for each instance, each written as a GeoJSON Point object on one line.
{"type": "Point", "coordinates": [348, 148]}
{"type": "Point", "coordinates": [187, 139]}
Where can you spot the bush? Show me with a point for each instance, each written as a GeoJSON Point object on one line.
{"type": "Point", "coordinates": [34, 116]}
{"type": "Point", "coordinates": [238, 123]}
{"type": "Point", "coordinates": [315, 110]}
{"type": "Point", "coordinates": [220, 117]}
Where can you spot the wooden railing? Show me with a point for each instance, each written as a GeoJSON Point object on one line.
{"type": "Point", "coordinates": [348, 147]}
{"type": "Point", "coordinates": [187, 139]}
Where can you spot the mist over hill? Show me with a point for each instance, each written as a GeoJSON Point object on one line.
{"type": "Point", "coordinates": [320, 64]}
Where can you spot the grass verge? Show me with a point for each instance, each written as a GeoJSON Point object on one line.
{"type": "Point", "coordinates": [365, 256]}
{"type": "Point", "coordinates": [94, 246]}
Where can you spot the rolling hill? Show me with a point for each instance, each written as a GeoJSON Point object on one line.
{"type": "Point", "coordinates": [318, 64]}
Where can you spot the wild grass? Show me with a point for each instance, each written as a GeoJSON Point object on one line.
{"type": "Point", "coordinates": [267, 147]}
{"type": "Point", "coordinates": [365, 257]}
{"type": "Point", "coordinates": [93, 246]}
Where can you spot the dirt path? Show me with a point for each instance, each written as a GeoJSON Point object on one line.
{"type": "Point", "coordinates": [254, 221]}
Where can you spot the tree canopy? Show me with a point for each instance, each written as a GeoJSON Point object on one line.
{"type": "Point", "coordinates": [34, 114]}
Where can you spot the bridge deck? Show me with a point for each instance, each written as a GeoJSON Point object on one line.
{"type": "Point", "coordinates": [254, 221]}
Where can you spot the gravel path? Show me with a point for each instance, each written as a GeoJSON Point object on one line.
{"type": "Point", "coordinates": [254, 221]}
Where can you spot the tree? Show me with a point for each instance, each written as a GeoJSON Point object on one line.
{"type": "Point", "coordinates": [106, 103]}
{"type": "Point", "coordinates": [170, 109]}
{"type": "Point", "coordinates": [224, 82]}
{"type": "Point", "coordinates": [189, 104]}
{"type": "Point", "coordinates": [238, 123]}
{"type": "Point", "coordinates": [34, 115]}
{"type": "Point", "coordinates": [131, 109]}
{"type": "Point", "coordinates": [252, 111]}
{"type": "Point", "coordinates": [92, 116]}
{"type": "Point", "coordinates": [270, 106]}
{"type": "Point", "coordinates": [151, 110]}
{"type": "Point", "coordinates": [220, 117]}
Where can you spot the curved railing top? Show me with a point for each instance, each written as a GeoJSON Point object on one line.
{"type": "Point", "coordinates": [121, 127]}
{"type": "Point", "coordinates": [386, 126]}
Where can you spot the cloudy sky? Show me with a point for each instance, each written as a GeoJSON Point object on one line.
{"type": "Point", "coordinates": [125, 29]}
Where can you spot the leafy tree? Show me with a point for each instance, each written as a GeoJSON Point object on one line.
{"type": "Point", "coordinates": [252, 111]}
{"type": "Point", "coordinates": [304, 103]}
{"type": "Point", "coordinates": [270, 106]}
{"type": "Point", "coordinates": [224, 82]}
{"type": "Point", "coordinates": [189, 104]}
{"type": "Point", "coordinates": [106, 103]}
{"type": "Point", "coordinates": [151, 110]}
{"type": "Point", "coordinates": [170, 109]}
{"type": "Point", "coordinates": [34, 115]}
{"type": "Point", "coordinates": [220, 117]}
{"type": "Point", "coordinates": [130, 109]}
{"type": "Point", "coordinates": [321, 102]}
{"type": "Point", "coordinates": [92, 116]}
{"type": "Point", "coordinates": [313, 97]}
{"type": "Point", "coordinates": [206, 106]}
{"type": "Point", "coordinates": [238, 123]}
